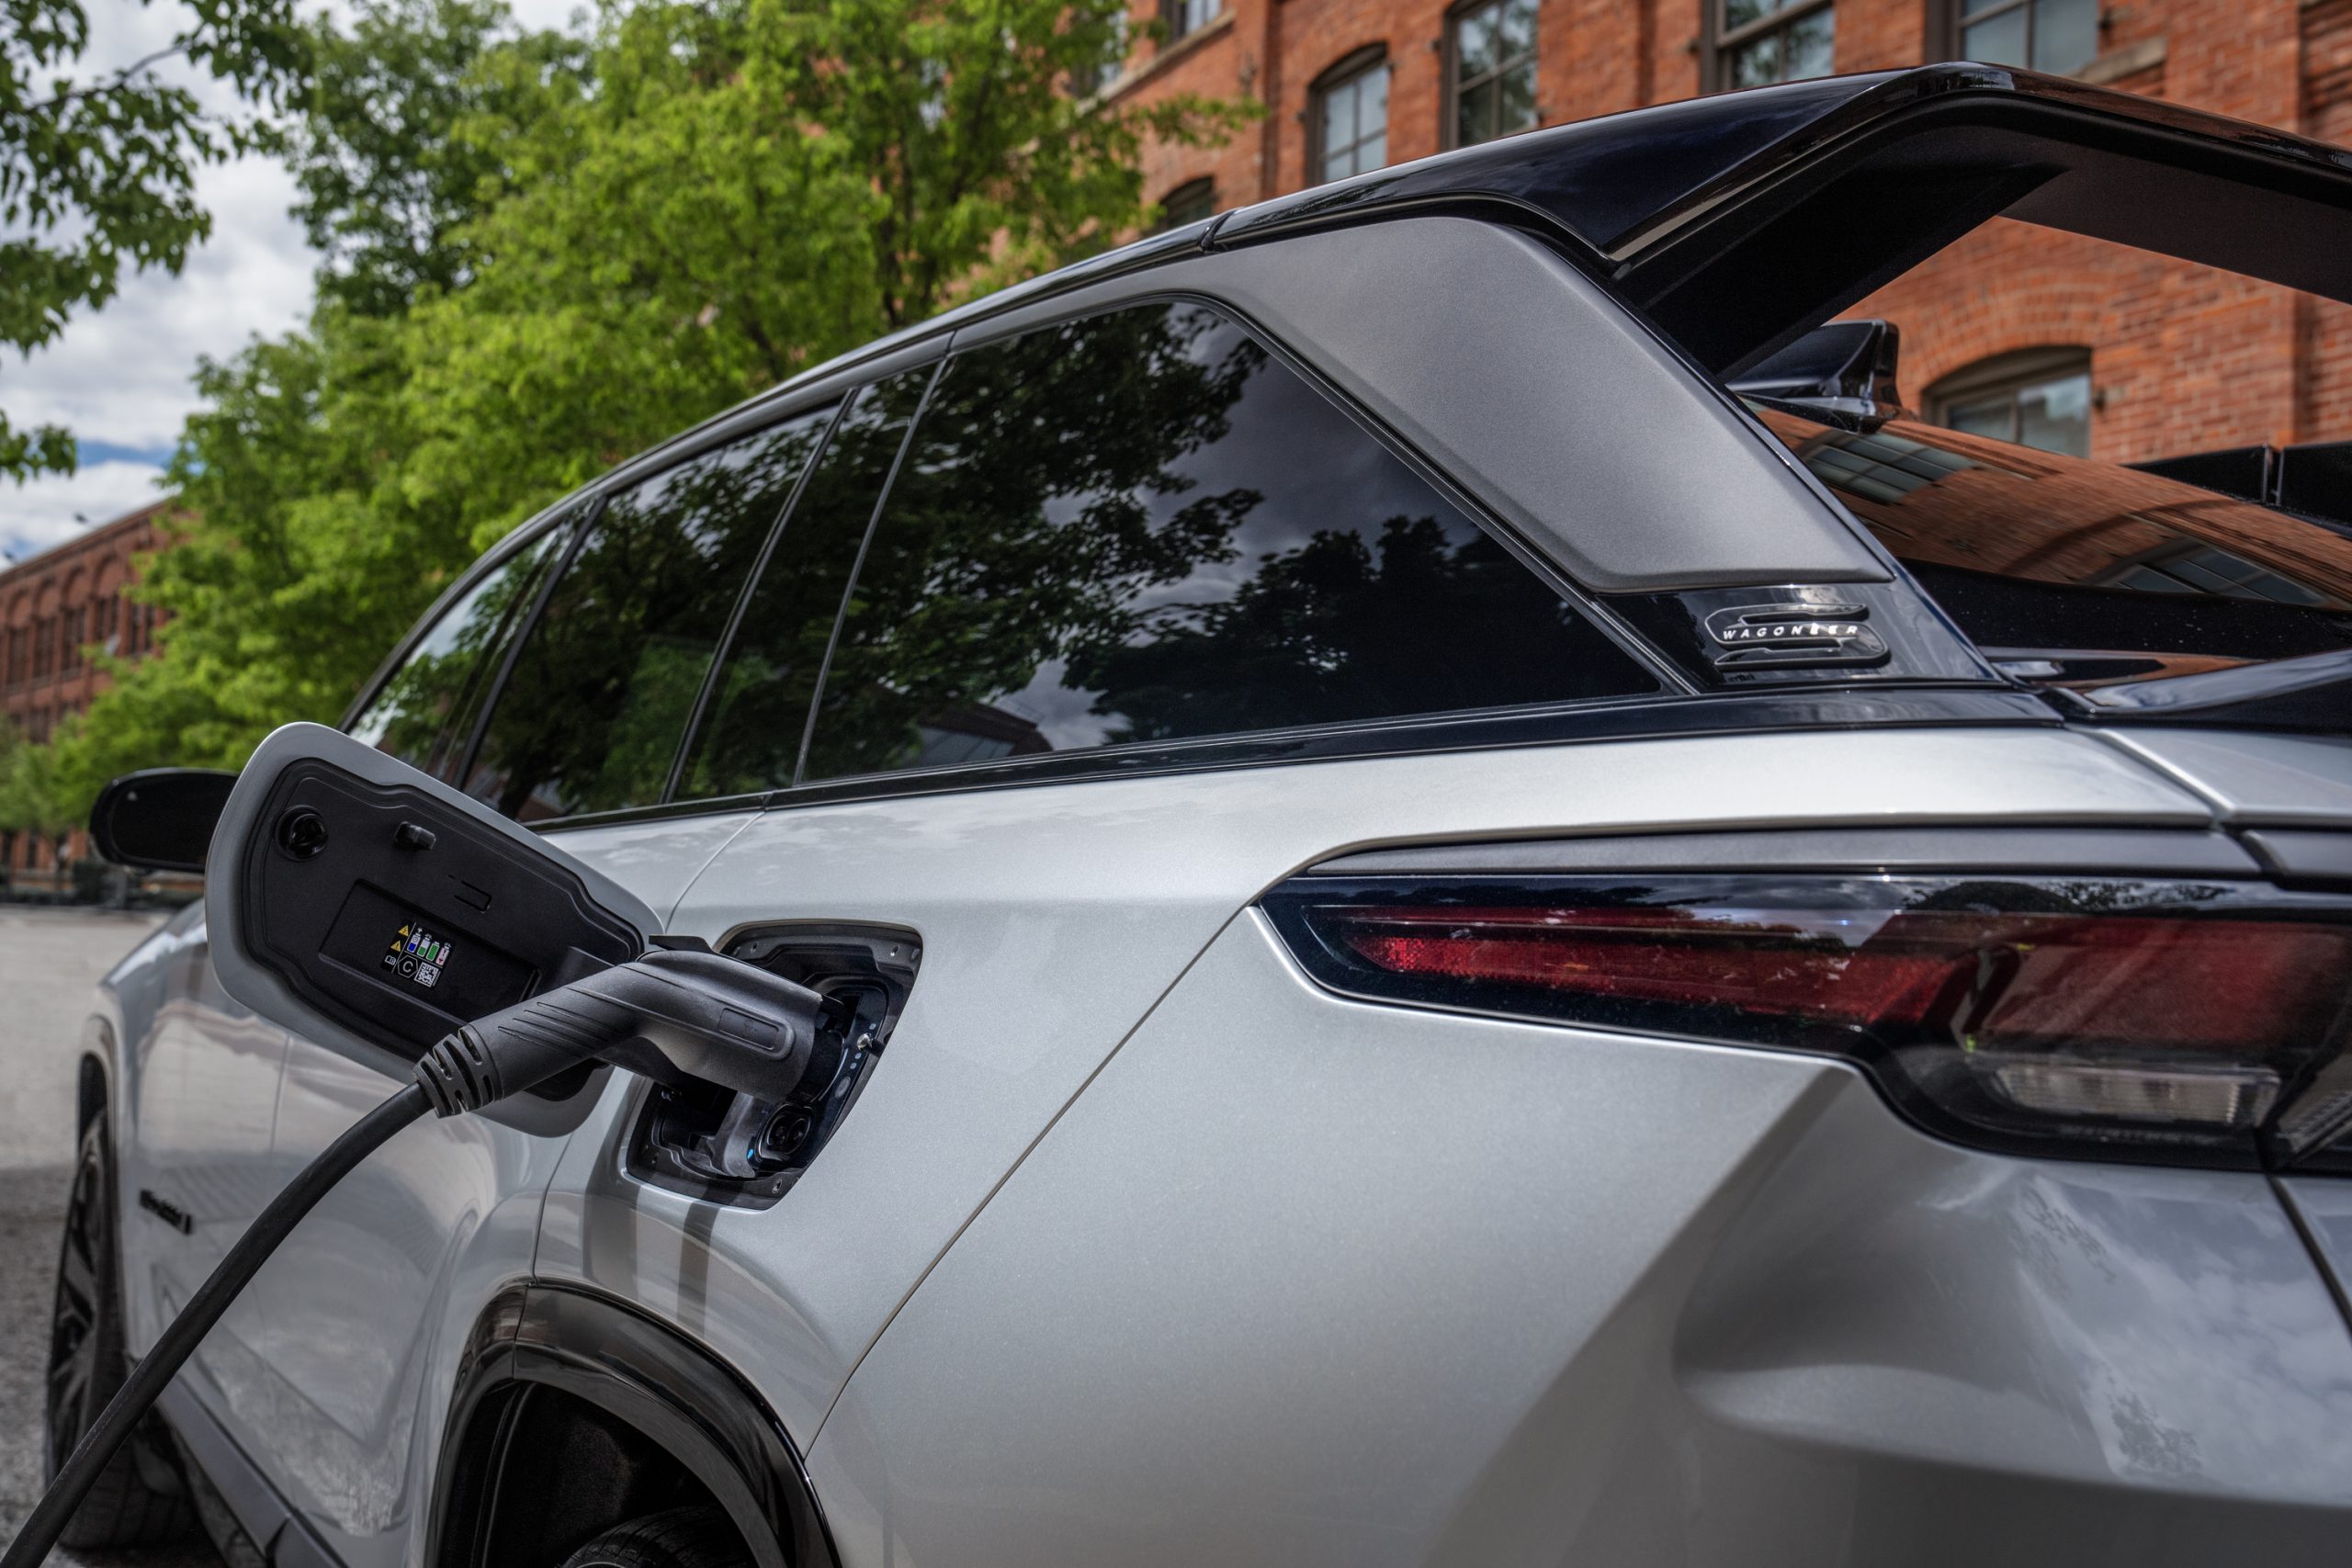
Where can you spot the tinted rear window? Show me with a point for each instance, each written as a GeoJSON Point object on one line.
{"type": "Point", "coordinates": [424, 713]}
{"type": "Point", "coordinates": [759, 709]}
{"type": "Point", "coordinates": [596, 707]}
{"type": "Point", "coordinates": [1142, 526]}
{"type": "Point", "coordinates": [2080, 572]}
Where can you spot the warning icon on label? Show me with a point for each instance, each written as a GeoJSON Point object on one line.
{"type": "Point", "coordinates": [415, 954]}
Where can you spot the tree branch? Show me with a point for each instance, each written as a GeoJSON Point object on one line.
{"type": "Point", "coordinates": [121, 80]}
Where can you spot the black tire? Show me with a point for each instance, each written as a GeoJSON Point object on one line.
{"type": "Point", "coordinates": [682, 1537]}
{"type": "Point", "coordinates": [128, 1506]}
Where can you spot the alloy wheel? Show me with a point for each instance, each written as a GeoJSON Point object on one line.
{"type": "Point", "coordinates": [76, 1340]}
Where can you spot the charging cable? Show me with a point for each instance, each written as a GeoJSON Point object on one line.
{"type": "Point", "coordinates": [677, 1014]}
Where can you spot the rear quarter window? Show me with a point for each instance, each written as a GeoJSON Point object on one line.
{"type": "Point", "coordinates": [1142, 526]}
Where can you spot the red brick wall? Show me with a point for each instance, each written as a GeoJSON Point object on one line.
{"type": "Point", "coordinates": [51, 608]}
{"type": "Point", "coordinates": [2183, 357]}
{"type": "Point", "coordinates": [2323, 327]}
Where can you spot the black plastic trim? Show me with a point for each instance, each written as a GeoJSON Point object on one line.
{"type": "Point", "coordinates": [645, 1374]}
{"type": "Point", "coordinates": [2312, 694]}
{"type": "Point", "coordinates": [280, 1532]}
{"type": "Point", "coordinates": [1638, 719]}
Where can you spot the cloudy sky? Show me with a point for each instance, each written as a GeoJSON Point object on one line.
{"type": "Point", "coordinates": [119, 377]}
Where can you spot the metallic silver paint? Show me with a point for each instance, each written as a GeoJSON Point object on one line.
{"type": "Point", "coordinates": [336, 1377]}
{"type": "Point", "coordinates": [2251, 780]}
{"type": "Point", "coordinates": [1284, 1278]}
{"type": "Point", "coordinates": [1300, 1280]}
{"type": "Point", "coordinates": [1053, 917]}
{"type": "Point", "coordinates": [2324, 1205]}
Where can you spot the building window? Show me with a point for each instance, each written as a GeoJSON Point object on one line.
{"type": "Point", "coordinates": [1183, 17]}
{"type": "Point", "coordinates": [1760, 41]}
{"type": "Point", "coordinates": [2059, 35]}
{"type": "Point", "coordinates": [1188, 203]}
{"type": "Point", "coordinates": [1493, 51]}
{"type": "Point", "coordinates": [2035, 396]}
{"type": "Point", "coordinates": [1087, 80]}
{"type": "Point", "coordinates": [1349, 123]}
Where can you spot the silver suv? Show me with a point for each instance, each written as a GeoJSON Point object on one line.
{"type": "Point", "coordinates": [1476, 909]}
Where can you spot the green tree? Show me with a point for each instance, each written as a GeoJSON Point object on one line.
{"type": "Point", "coordinates": [31, 800]}
{"type": "Point", "coordinates": [748, 190]}
{"type": "Point", "coordinates": [97, 172]}
{"type": "Point", "coordinates": [722, 196]}
{"type": "Point", "coordinates": [388, 181]}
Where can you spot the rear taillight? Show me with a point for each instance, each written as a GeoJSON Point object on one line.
{"type": "Point", "coordinates": [2102, 1017]}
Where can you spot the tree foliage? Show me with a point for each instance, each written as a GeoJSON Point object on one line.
{"type": "Point", "coordinates": [543, 258]}
{"type": "Point", "coordinates": [97, 172]}
{"type": "Point", "coordinates": [388, 181]}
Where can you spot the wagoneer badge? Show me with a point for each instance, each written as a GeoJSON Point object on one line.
{"type": "Point", "coordinates": [1784, 636]}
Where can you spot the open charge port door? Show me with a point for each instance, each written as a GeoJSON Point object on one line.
{"type": "Point", "coordinates": [707, 1143]}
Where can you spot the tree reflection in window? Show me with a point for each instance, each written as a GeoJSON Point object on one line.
{"type": "Point", "coordinates": [1141, 526]}
{"type": "Point", "coordinates": [595, 712]}
{"type": "Point", "coordinates": [759, 707]}
{"type": "Point", "coordinates": [424, 713]}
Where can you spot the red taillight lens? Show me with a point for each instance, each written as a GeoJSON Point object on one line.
{"type": "Point", "coordinates": [2127, 1015]}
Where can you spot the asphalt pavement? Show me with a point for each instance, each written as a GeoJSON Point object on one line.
{"type": "Point", "coordinates": [50, 960]}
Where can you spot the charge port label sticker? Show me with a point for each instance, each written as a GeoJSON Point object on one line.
{"type": "Point", "coordinates": [417, 954]}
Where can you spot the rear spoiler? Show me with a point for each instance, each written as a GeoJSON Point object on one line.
{"type": "Point", "coordinates": [2312, 693]}
{"type": "Point", "coordinates": [1740, 222]}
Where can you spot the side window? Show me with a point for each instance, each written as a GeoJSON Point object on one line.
{"type": "Point", "coordinates": [424, 713]}
{"type": "Point", "coordinates": [1141, 526]}
{"type": "Point", "coordinates": [759, 708]}
{"type": "Point", "coordinates": [593, 715]}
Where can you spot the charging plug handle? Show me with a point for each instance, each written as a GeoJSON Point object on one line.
{"type": "Point", "coordinates": [674, 1016]}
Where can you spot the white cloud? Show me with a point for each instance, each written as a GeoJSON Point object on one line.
{"type": "Point", "coordinates": [43, 513]}
{"type": "Point", "coordinates": [122, 374]}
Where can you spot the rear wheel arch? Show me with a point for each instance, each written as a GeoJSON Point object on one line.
{"type": "Point", "coordinates": [558, 1388]}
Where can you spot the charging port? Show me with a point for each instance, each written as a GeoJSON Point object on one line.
{"type": "Point", "coordinates": [707, 1143]}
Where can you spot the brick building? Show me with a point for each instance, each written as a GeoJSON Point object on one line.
{"type": "Point", "coordinates": [54, 609]}
{"type": "Point", "coordinates": [2064, 342]}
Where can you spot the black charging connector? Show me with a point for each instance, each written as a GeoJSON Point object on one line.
{"type": "Point", "coordinates": [679, 1014]}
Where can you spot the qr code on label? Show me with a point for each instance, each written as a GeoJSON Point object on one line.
{"type": "Point", "coordinates": [428, 974]}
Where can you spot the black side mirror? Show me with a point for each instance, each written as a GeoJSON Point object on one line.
{"type": "Point", "coordinates": [160, 820]}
